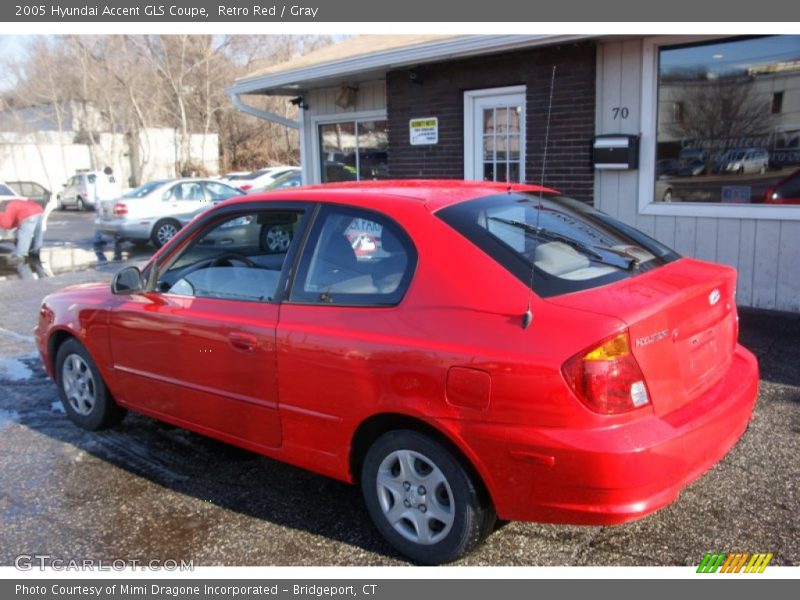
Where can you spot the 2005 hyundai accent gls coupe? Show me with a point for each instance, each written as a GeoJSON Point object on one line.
{"type": "Point", "coordinates": [463, 351]}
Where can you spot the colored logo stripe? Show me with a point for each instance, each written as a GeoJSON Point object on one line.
{"type": "Point", "coordinates": [734, 562]}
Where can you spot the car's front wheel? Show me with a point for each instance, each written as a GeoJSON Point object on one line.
{"type": "Point", "coordinates": [276, 238]}
{"type": "Point", "coordinates": [164, 231]}
{"type": "Point", "coordinates": [422, 499]}
{"type": "Point", "coordinates": [84, 394]}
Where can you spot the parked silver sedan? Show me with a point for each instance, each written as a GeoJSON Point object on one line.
{"type": "Point", "coordinates": [156, 210]}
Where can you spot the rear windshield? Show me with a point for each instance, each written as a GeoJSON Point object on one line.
{"type": "Point", "coordinates": [554, 243]}
{"type": "Point", "coordinates": [144, 190]}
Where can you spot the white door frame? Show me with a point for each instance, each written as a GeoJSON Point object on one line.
{"type": "Point", "coordinates": [471, 98]}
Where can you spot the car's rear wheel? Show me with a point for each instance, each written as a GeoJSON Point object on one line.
{"type": "Point", "coordinates": [164, 231]}
{"type": "Point", "coordinates": [422, 499]}
{"type": "Point", "coordinates": [81, 204]}
{"type": "Point", "coordinates": [84, 394]}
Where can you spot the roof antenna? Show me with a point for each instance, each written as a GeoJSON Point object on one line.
{"type": "Point", "coordinates": [527, 318]}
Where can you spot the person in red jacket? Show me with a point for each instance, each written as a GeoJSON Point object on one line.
{"type": "Point", "coordinates": [26, 216]}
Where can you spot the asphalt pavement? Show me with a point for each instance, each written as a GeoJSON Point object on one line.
{"type": "Point", "coordinates": [146, 490]}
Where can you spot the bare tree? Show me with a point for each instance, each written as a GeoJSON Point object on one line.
{"type": "Point", "coordinates": [721, 113]}
{"type": "Point", "coordinates": [129, 84]}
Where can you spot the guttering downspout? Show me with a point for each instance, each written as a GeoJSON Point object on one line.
{"type": "Point", "coordinates": [262, 114]}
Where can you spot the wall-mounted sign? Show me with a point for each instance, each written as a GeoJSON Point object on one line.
{"type": "Point", "coordinates": [423, 132]}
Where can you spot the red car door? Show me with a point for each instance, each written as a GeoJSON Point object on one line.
{"type": "Point", "coordinates": [204, 363]}
{"type": "Point", "coordinates": [200, 351]}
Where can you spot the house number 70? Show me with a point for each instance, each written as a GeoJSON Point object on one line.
{"type": "Point", "coordinates": [620, 112]}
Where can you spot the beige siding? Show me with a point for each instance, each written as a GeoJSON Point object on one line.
{"type": "Point", "coordinates": [765, 252]}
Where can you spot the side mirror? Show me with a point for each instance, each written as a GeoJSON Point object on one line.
{"type": "Point", "coordinates": [127, 281]}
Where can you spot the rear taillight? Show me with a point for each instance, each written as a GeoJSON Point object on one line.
{"type": "Point", "coordinates": [245, 187]}
{"type": "Point", "coordinates": [607, 378]}
{"type": "Point", "coordinates": [120, 209]}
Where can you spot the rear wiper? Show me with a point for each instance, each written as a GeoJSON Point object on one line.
{"type": "Point", "coordinates": [547, 234]}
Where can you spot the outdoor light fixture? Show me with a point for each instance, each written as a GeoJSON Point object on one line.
{"type": "Point", "coordinates": [347, 97]}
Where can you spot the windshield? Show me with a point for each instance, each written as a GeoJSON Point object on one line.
{"type": "Point", "coordinates": [6, 191]}
{"type": "Point", "coordinates": [568, 245]}
{"type": "Point", "coordinates": [145, 190]}
{"type": "Point", "coordinates": [291, 179]}
{"type": "Point", "coordinates": [253, 175]}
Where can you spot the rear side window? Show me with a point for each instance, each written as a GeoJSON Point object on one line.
{"type": "Point", "coordinates": [566, 245]}
{"type": "Point", "coordinates": [354, 257]}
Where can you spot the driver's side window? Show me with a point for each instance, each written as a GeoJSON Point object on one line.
{"type": "Point", "coordinates": [238, 258]}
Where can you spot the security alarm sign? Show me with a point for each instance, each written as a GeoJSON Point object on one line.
{"type": "Point", "coordinates": [424, 132]}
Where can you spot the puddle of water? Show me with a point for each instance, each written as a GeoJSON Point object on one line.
{"type": "Point", "coordinates": [57, 260]}
{"type": "Point", "coordinates": [26, 271]}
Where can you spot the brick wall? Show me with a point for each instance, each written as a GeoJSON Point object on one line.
{"type": "Point", "coordinates": [441, 95]}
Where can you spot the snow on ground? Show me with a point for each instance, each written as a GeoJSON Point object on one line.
{"type": "Point", "coordinates": [13, 369]}
{"type": "Point", "coordinates": [8, 416]}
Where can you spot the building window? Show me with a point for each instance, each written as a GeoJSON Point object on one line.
{"type": "Point", "coordinates": [353, 150]}
{"type": "Point", "coordinates": [677, 112]}
{"type": "Point", "coordinates": [724, 135]}
{"type": "Point", "coordinates": [777, 103]}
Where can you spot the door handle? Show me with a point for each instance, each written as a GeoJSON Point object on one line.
{"type": "Point", "coordinates": [243, 341]}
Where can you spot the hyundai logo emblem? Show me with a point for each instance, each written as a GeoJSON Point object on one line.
{"type": "Point", "coordinates": [713, 297]}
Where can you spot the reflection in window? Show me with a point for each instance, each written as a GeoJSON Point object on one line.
{"type": "Point", "coordinates": [728, 124]}
{"type": "Point", "coordinates": [355, 257]}
{"type": "Point", "coordinates": [501, 143]}
{"type": "Point", "coordinates": [353, 150]}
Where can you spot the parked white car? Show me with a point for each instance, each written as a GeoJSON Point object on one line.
{"type": "Point", "coordinates": [744, 160]}
{"type": "Point", "coordinates": [262, 177]}
{"type": "Point", "coordinates": [152, 211]}
{"type": "Point", "coordinates": [79, 191]}
{"type": "Point", "coordinates": [233, 176]}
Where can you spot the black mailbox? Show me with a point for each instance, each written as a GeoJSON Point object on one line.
{"type": "Point", "coordinates": [616, 151]}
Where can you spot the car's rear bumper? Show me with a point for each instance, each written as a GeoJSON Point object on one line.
{"type": "Point", "coordinates": [126, 229]}
{"type": "Point", "coordinates": [617, 474]}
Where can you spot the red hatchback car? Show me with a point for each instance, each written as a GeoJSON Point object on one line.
{"type": "Point", "coordinates": [501, 351]}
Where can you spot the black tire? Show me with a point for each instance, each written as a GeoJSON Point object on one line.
{"type": "Point", "coordinates": [467, 513]}
{"type": "Point", "coordinates": [90, 407]}
{"type": "Point", "coordinates": [60, 203]}
{"type": "Point", "coordinates": [164, 231]}
{"type": "Point", "coordinates": [81, 205]}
